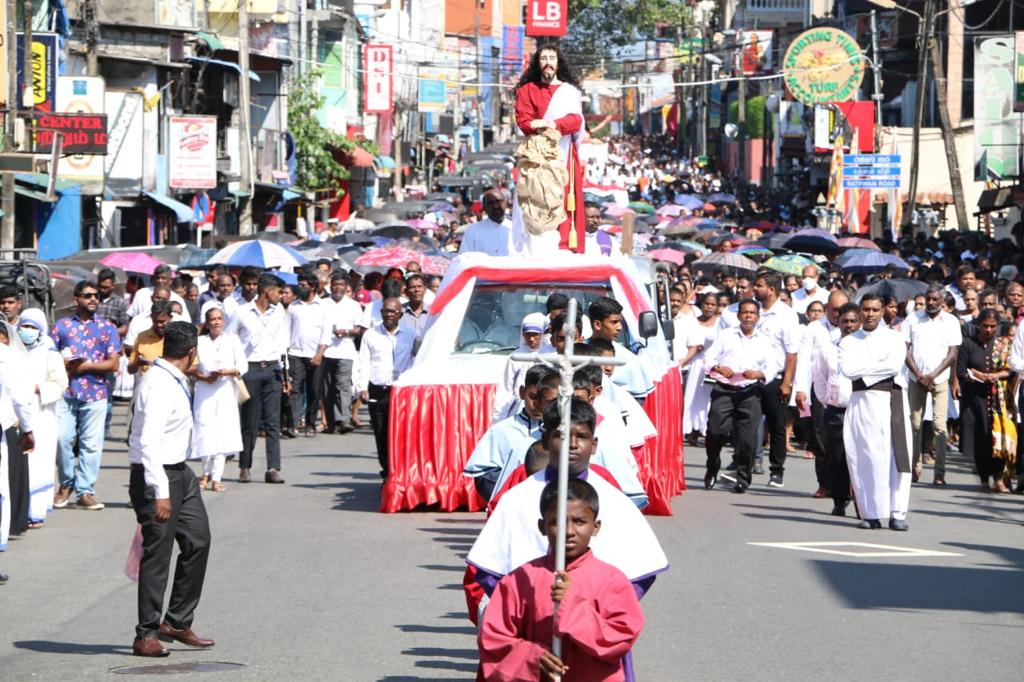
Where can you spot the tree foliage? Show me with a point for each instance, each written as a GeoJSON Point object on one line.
{"type": "Point", "coordinates": [316, 165]}
{"type": "Point", "coordinates": [597, 27]}
{"type": "Point", "coordinates": [754, 116]}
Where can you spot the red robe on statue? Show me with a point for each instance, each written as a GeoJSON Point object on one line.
{"type": "Point", "coordinates": [532, 102]}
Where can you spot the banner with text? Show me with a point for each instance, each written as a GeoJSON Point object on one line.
{"type": "Point", "coordinates": [547, 17]}
{"type": "Point", "coordinates": [996, 131]}
{"type": "Point", "coordinates": [379, 61]}
{"type": "Point", "coordinates": [192, 161]}
{"type": "Point", "coordinates": [42, 80]}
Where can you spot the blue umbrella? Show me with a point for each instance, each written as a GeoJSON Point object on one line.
{"type": "Point", "coordinates": [259, 254]}
{"type": "Point", "coordinates": [874, 261]}
{"type": "Point", "coordinates": [689, 202]}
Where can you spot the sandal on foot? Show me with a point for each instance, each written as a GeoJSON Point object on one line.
{"type": "Point", "coordinates": [218, 487]}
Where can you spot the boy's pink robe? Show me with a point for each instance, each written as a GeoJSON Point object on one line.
{"type": "Point", "coordinates": [599, 621]}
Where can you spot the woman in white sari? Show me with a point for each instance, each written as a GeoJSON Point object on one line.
{"type": "Point", "coordinates": [46, 371]}
{"type": "Point", "coordinates": [697, 395]}
{"type": "Point", "coordinates": [218, 431]}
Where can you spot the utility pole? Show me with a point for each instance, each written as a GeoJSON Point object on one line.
{"type": "Point", "coordinates": [92, 37]}
{"type": "Point", "coordinates": [28, 91]}
{"type": "Point", "coordinates": [948, 141]}
{"type": "Point", "coordinates": [741, 113]}
{"type": "Point", "coordinates": [7, 227]}
{"type": "Point", "coordinates": [876, 71]}
{"type": "Point", "coordinates": [244, 117]}
{"type": "Point", "coordinates": [922, 74]}
{"type": "Point", "coordinates": [303, 39]}
{"type": "Point", "coordinates": [479, 82]}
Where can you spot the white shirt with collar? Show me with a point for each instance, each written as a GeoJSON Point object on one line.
{"type": "Point", "coordinates": [384, 355]}
{"type": "Point", "coordinates": [229, 306]}
{"type": "Point", "coordinates": [142, 303]}
{"type": "Point", "coordinates": [161, 424]}
{"type": "Point", "coordinates": [811, 363]}
{"type": "Point", "coordinates": [802, 299]}
{"type": "Point", "coordinates": [739, 352]}
{"type": "Point", "coordinates": [731, 315]}
{"type": "Point", "coordinates": [1017, 352]}
{"type": "Point", "coordinates": [487, 236]}
{"type": "Point", "coordinates": [345, 314]}
{"type": "Point", "coordinates": [264, 335]}
{"type": "Point", "coordinates": [781, 324]}
{"type": "Point", "coordinates": [838, 388]}
{"type": "Point", "coordinates": [930, 339]}
{"type": "Point", "coordinates": [141, 323]}
{"type": "Point", "coordinates": [306, 321]}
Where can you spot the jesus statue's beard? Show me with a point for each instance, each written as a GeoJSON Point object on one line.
{"type": "Point", "coordinates": [548, 75]}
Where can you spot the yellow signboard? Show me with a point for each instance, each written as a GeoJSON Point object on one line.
{"type": "Point", "coordinates": [823, 65]}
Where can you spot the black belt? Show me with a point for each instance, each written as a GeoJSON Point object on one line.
{"type": "Point", "coordinates": [263, 364]}
{"type": "Point", "coordinates": [898, 420]}
{"type": "Point", "coordinates": [729, 388]}
{"type": "Point", "coordinates": [180, 466]}
{"type": "Point", "coordinates": [379, 387]}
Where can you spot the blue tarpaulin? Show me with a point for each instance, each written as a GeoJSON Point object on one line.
{"type": "Point", "coordinates": [184, 212]}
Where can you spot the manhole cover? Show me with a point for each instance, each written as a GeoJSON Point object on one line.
{"type": "Point", "coordinates": [177, 668]}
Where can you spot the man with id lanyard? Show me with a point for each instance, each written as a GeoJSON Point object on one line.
{"type": "Point", "coordinates": [166, 499]}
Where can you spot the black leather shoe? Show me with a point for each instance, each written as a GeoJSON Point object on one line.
{"type": "Point", "coordinates": [149, 647]}
{"type": "Point", "coordinates": [710, 480]}
{"type": "Point", "coordinates": [898, 524]}
{"type": "Point", "coordinates": [288, 433]}
{"type": "Point", "coordinates": [739, 488]}
{"type": "Point", "coordinates": [870, 524]}
{"type": "Point", "coordinates": [244, 476]}
{"type": "Point", "coordinates": [273, 476]}
{"type": "Point", "coordinates": [839, 508]}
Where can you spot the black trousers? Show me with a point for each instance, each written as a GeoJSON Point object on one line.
{"type": "Point", "coordinates": [976, 433]}
{"type": "Point", "coordinates": [816, 436]}
{"type": "Point", "coordinates": [17, 475]}
{"type": "Point", "coordinates": [190, 528]}
{"type": "Point", "coordinates": [735, 413]}
{"type": "Point", "coordinates": [305, 396]}
{"type": "Point", "coordinates": [263, 407]}
{"type": "Point", "coordinates": [380, 412]}
{"type": "Point", "coordinates": [838, 481]}
{"type": "Point", "coordinates": [774, 409]}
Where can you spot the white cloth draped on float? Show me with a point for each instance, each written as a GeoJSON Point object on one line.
{"type": "Point", "coordinates": [218, 428]}
{"type": "Point", "coordinates": [566, 100]}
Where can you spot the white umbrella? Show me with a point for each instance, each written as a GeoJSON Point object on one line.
{"type": "Point", "coordinates": [259, 254]}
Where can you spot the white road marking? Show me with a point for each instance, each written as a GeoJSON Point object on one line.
{"type": "Point", "coordinates": [865, 550]}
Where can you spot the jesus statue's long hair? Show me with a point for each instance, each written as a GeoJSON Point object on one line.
{"type": "Point", "coordinates": [533, 72]}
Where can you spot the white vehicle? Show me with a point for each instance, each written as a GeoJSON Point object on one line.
{"type": "Point", "coordinates": [443, 404]}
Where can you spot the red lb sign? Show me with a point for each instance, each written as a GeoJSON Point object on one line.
{"type": "Point", "coordinates": [547, 17]}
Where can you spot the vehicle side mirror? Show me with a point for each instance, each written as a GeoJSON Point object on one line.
{"type": "Point", "coordinates": [668, 329]}
{"type": "Point", "coordinates": [648, 324]}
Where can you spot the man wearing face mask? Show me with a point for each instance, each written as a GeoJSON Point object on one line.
{"type": "Point", "coordinates": [306, 355]}
{"type": "Point", "coordinates": [491, 235]}
{"type": "Point", "coordinates": [809, 291]}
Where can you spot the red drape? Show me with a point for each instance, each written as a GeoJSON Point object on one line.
{"type": "Point", "coordinates": [661, 460]}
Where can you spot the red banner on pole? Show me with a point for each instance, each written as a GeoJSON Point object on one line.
{"type": "Point", "coordinates": [547, 17]}
{"type": "Point", "coordinates": [379, 63]}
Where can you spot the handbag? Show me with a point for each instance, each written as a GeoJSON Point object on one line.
{"type": "Point", "coordinates": [241, 392]}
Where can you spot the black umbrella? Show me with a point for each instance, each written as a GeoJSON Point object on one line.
{"type": "Point", "coordinates": [813, 244]}
{"type": "Point", "coordinates": [356, 238]}
{"type": "Point", "coordinates": [776, 241]}
{"type": "Point", "coordinates": [395, 231]}
{"type": "Point", "coordinates": [901, 289]}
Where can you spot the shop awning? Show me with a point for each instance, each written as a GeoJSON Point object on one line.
{"type": "Point", "coordinates": [33, 194]}
{"type": "Point", "coordinates": [212, 41]}
{"type": "Point", "coordinates": [227, 65]}
{"type": "Point", "coordinates": [999, 199]}
{"type": "Point", "coordinates": [184, 212]}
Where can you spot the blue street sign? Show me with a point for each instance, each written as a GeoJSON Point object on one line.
{"type": "Point", "coordinates": [872, 159]}
{"type": "Point", "coordinates": [871, 183]}
{"type": "Point", "coordinates": [870, 171]}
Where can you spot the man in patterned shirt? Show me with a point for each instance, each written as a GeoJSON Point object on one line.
{"type": "Point", "coordinates": [91, 348]}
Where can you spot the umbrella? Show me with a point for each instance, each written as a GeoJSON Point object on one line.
{"type": "Point", "coordinates": [688, 246]}
{"type": "Point", "coordinates": [899, 288]}
{"type": "Point", "coordinates": [391, 257]}
{"type": "Point", "coordinates": [727, 237]}
{"type": "Point", "coordinates": [311, 248]}
{"type": "Point", "coordinates": [350, 238]}
{"type": "Point", "coordinates": [721, 198]}
{"type": "Point", "coordinates": [195, 258]}
{"type": "Point", "coordinates": [857, 243]}
{"type": "Point", "coordinates": [774, 241]}
{"type": "Point", "coordinates": [441, 207]}
{"type": "Point", "coordinates": [813, 243]}
{"type": "Point", "coordinates": [641, 207]}
{"type": "Point", "coordinates": [728, 262]}
{"type": "Point", "coordinates": [356, 224]}
{"type": "Point", "coordinates": [668, 255]}
{"type": "Point", "coordinates": [435, 265]}
{"type": "Point", "coordinates": [396, 231]}
{"type": "Point", "coordinates": [274, 236]}
{"type": "Point", "coordinates": [670, 210]}
{"type": "Point", "coordinates": [845, 256]}
{"type": "Point", "coordinates": [815, 232]}
{"type": "Point", "coordinates": [132, 261]}
{"type": "Point", "coordinates": [754, 251]}
{"type": "Point", "coordinates": [259, 254]}
{"type": "Point", "coordinates": [791, 264]}
{"type": "Point", "coordinates": [679, 229]}
{"type": "Point", "coordinates": [867, 262]}
{"type": "Point", "coordinates": [616, 211]}
{"type": "Point", "coordinates": [421, 224]}
{"type": "Point", "coordinates": [689, 202]}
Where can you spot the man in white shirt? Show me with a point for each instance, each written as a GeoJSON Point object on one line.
{"type": "Point", "coordinates": [809, 290]}
{"type": "Point", "coordinates": [343, 318]}
{"type": "Point", "coordinates": [744, 291]}
{"type": "Point", "coordinates": [493, 234]}
{"type": "Point", "coordinates": [143, 297]}
{"type": "Point", "coordinates": [223, 288]}
{"type": "Point", "coordinates": [740, 362]}
{"type": "Point", "coordinates": [305, 357]}
{"type": "Point", "coordinates": [165, 496]}
{"type": "Point", "coordinates": [384, 353]}
{"type": "Point", "coordinates": [875, 432]}
{"type": "Point", "coordinates": [934, 339]}
{"type": "Point", "coordinates": [811, 382]}
{"type": "Point", "coordinates": [780, 323]}
{"type": "Point", "coordinates": [141, 323]}
{"type": "Point", "coordinates": [262, 327]}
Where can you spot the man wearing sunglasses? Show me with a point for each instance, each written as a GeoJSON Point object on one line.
{"type": "Point", "coordinates": [90, 347]}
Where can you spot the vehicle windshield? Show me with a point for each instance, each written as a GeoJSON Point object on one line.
{"type": "Point", "coordinates": [495, 314]}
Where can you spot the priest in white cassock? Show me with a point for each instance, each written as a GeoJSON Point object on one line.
{"type": "Point", "coordinates": [493, 234]}
{"type": "Point", "coordinates": [877, 429]}
{"type": "Point", "coordinates": [549, 102]}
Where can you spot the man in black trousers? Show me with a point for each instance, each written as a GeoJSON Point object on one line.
{"type": "Point", "coordinates": [165, 495]}
{"type": "Point", "coordinates": [837, 398]}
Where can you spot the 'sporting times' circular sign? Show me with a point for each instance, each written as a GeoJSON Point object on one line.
{"type": "Point", "coordinates": [823, 65]}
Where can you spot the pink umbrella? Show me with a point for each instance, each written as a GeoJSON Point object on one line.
{"type": "Point", "coordinates": [671, 210]}
{"type": "Point", "coordinates": [132, 261]}
{"type": "Point", "coordinates": [669, 255]}
{"type": "Point", "coordinates": [616, 211]}
{"type": "Point", "coordinates": [435, 265]}
{"type": "Point", "coordinates": [390, 257]}
{"type": "Point", "coordinates": [858, 243]}
{"type": "Point", "coordinates": [421, 224]}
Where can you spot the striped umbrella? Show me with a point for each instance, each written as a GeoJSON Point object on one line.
{"type": "Point", "coordinates": [727, 262]}
{"type": "Point", "coordinates": [791, 264]}
{"type": "Point", "coordinates": [258, 253]}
